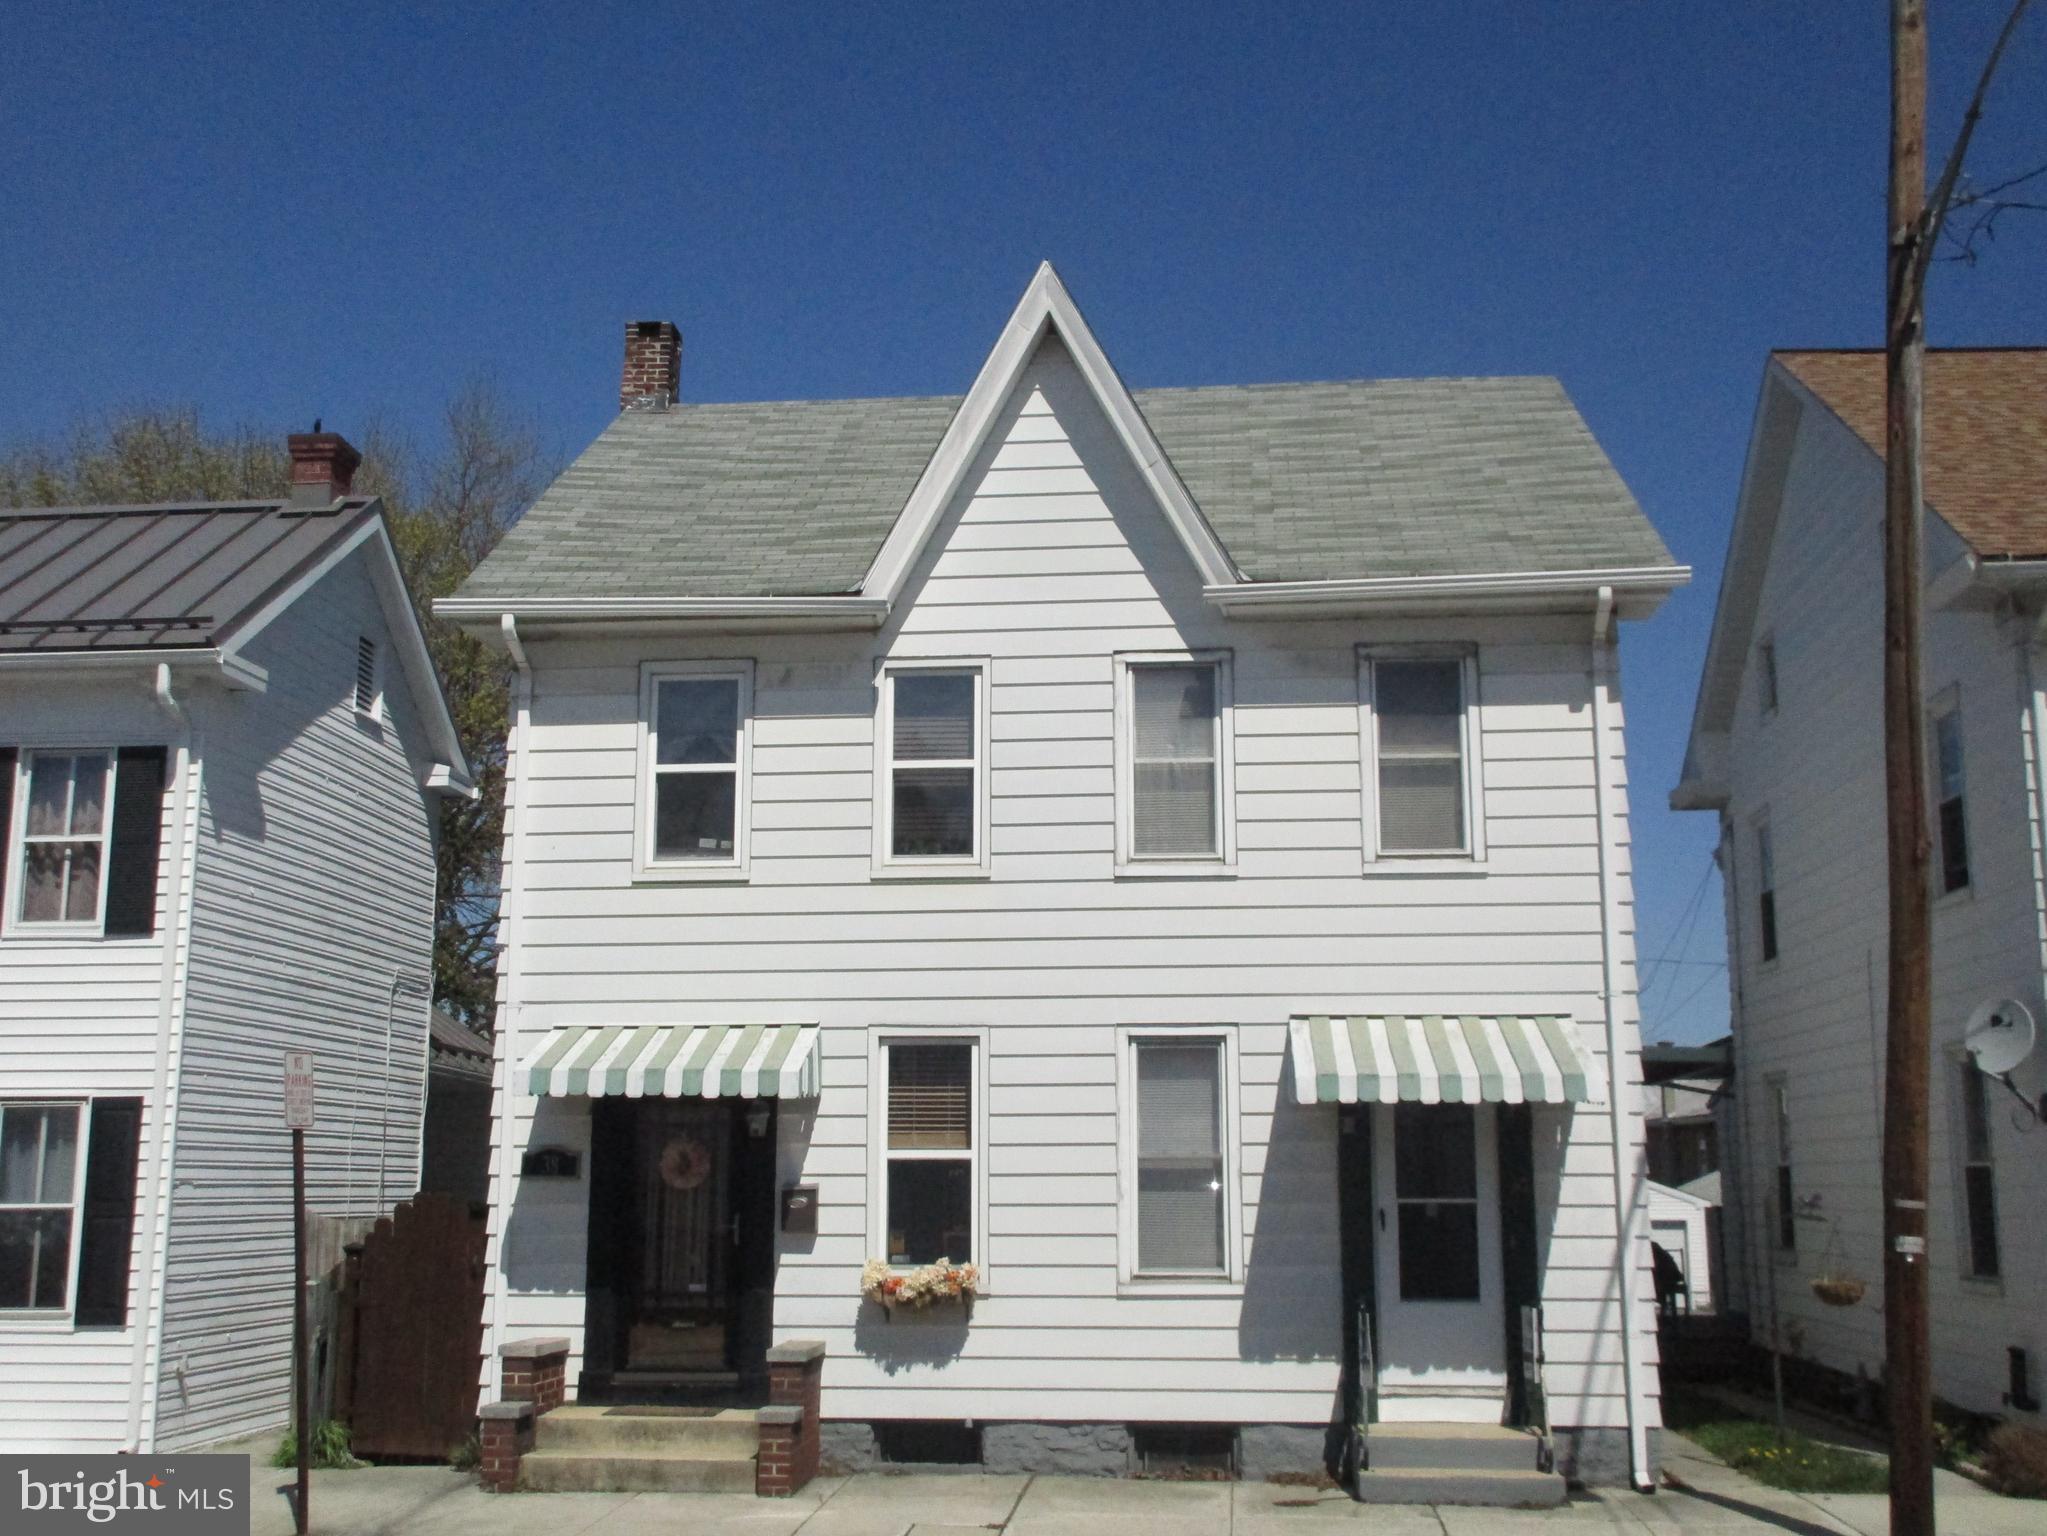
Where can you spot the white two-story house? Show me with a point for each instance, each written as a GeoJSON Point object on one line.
{"type": "Point", "coordinates": [222, 746]}
{"type": "Point", "coordinates": [1166, 849]}
{"type": "Point", "coordinates": [1787, 749]}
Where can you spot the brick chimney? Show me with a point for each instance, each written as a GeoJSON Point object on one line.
{"type": "Point", "coordinates": [652, 380]}
{"type": "Point", "coordinates": [323, 466]}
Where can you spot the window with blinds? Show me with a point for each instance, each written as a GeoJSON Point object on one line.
{"type": "Point", "coordinates": [1176, 762]}
{"type": "Point", "coordinates": [1418, 715]}
{"type": "Point", "coordinates": [1979, 1177]}
{"type": "Point", "coordinates": [934, 763]}
{"type": "Point", "coordinates": [1180, 1160]}
{"type": "Point", "coordinates": [1951, 799]}
{"type": "Point", "coordinates": [929, 1178]}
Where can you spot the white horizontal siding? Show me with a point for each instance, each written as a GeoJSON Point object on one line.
{"type": "Point", "coordinates": [1816, 1014]}
{"type": "Point", "coordinates": [1052, 559]}
{"type": "Point", "coordinates": [80, 1019]}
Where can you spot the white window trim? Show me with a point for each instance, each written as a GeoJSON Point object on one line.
{"type": "Point", "coordinates": [1473, 857]}
{"type": "Point", "coordinates": [1222, 864]}
{"type": "Point", "coordinates": [879, 1038]}
{"type": "Point", "coordinates": [17, 846]}
{"type": "Point", "coordinates": [886, 865]}
{"type": "Point", "coordinates": [1760, 832]}
{"type": "Point", "coordinates": [1130, 1280]}
{"type": "Point", "coordinates": [59, 1316]}
{"type": "Point", "coordinates": [1947, 701]}
{"type": "Point", "coordinates": [1783, 1147]}
{"type": "Point", "coordinates": [1958, 1137]}
{"type": "Point", "coordinates": [739, 866]}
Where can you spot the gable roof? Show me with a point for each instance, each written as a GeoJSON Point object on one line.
{"type": "Point", "coordinates": [1985, 476]}
{"type": "Point", "coordinates": [195, 583]}
{"type": "Point", "coordinates": [1263, 483]}
{"type": "Point", "coordinates": [1985, 457]}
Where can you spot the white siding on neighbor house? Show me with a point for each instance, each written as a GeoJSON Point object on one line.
{"type": "Point", "coordinates": [1679, 1221]}
{"type": "Point", "coordinates": [1051, 558]}
{"type": "Point", "coordinates": [1815, 1015]}
{"type": "Point", "coordinates": [315, 890]}
{"type": "Point", "coordinates": [79, 1019]}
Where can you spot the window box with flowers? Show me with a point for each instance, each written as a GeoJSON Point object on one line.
{"type": "Point", "coordinates": [928, 1285]}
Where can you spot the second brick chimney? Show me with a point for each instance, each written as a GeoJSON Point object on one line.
{"type": "Point", "coordinates": [652, 380]}
{"type": "Point", "coordinates": [323, 466]}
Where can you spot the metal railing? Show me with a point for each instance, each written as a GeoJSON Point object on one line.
{"type": "Point", "coordinates": [1536, 1395]}
{"type": "Point", "coordinates": [1357, 1455]}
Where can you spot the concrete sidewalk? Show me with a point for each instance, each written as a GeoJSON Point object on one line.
{"type": "Point", "coordinates": [1715, 1501]}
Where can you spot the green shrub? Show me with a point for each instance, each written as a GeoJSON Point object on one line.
{"type": "Point", "coordinates": [466, 1456]}
{"type": "Point", "coordinates": [330, 1448]}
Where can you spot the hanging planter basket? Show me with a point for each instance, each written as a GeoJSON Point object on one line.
{"type": "Point", "coordinates": [1838, 1290]}
{"type": "Point", "coordinates": [1833, 1284]}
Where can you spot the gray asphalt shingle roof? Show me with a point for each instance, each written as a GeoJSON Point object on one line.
{"type": "Point", "coordinates": [1300, 482]}
{"type": "Point", "coordinates": [159, 577]}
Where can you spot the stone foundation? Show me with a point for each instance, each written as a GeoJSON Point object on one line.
{"type": "Point", "coordinates": [1271, 1450]}
{"type": "Point", "coordinates": [1598, 1458]}
{"type": "Point", "coordinates": [1073, 1450]}
{"type": "Point", "coordinates": [847, 1445]}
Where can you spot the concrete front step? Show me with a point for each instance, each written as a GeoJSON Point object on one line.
{"type": "Point", "coordinates": [685, 1470]}
{"type": "Point", "coordinates": [1450, 1448]}
{"type": "Point", "coordinates": [1492, 1489]}
{"type": "Point", "coordinates": [588, 1429]}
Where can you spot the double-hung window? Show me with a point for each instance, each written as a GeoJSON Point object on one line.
{"type": "Point", "coordinates": [1174, 764]}
{"type": "Point", "coordinates": [66, 822]}
{"type": "Point", "coordinates": [1786, 1200]}
{"type": "Point", "coordinates": [1766, 890]}
{"type": "Point", "coordinates": [41, 1175]}
{"type": "Point", "coordinates": [1180, 1210]}
{"type": "Point", "coordinates": [695, 761]}
{"type": "Point", "coordinates": [929, 1180]}
{"type": "Point", "coordinates": [931, 768]}
{"type": "Point", "coordinates": [1766, 676]}
{"type": "Point", "coordinates": [1950, 791]}
{"type": "Point", "coordinates": [1979, 1176]}
{"type": "Point", "coordinates": [1418, 724]}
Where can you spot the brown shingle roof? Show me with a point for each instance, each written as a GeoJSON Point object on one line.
{"type": "Point", "coordinates": [1986, 434]}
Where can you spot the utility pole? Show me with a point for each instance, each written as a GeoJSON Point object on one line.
{"type": "Point", "coordinates": [1908, 1363]}
{"type": "Point", "coordinates": [1915, 222]}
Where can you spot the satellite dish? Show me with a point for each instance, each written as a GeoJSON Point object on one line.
{"type": "Point", "coordinates": [2000, 1035]}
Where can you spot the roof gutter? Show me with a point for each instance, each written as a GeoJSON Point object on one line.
{"type": "Point", "coordinates": [234, 671]}
{"type": "Point", "coordinates": [1634, 591]}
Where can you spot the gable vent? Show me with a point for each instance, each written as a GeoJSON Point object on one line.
{"type": "Point", "coordinates": [366, 675]}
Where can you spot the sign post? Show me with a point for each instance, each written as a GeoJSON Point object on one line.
{"type": "Point", "coordinates": [298, 1117]}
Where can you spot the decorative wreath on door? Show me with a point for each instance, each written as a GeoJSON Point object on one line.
{"type": "Point", "coordinates": [685, 1163]}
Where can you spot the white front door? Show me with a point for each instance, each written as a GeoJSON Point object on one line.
{"type": "Point", "coordinates": [1442, 1346]}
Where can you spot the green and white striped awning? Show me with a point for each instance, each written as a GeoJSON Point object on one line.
{"type": "Point", "coordinates": [1441, 1059]}
{"type": "Point", "coordinates": [674, 1061]}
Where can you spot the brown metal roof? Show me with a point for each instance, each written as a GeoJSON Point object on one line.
{"type": "Point", "coordinates": [157, 577]}
{"type": "Point", "coordinates": [1986, 434]}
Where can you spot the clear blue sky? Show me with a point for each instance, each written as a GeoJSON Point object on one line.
{"type": "Point", "coordinates": [274, 213]}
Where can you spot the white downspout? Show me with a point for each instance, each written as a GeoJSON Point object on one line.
{"type": "Point", "coordinates": [1621, 1111]}
{"type": "Point", "coordinates": [157, 1154]}
{"type": "Point", "coordinates": [502, 1185]}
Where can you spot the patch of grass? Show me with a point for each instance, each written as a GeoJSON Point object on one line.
{"type": "Point", "coordinates": [1799, 1464]}
{"type": "Point", "coordinates": [330, 1448]}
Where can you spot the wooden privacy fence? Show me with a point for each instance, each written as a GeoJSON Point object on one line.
{"type": "Point", "coordinates": [409, 1341]}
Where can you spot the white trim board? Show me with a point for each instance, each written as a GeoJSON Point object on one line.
{"type": "Point", "coordinates": [1046, 306]}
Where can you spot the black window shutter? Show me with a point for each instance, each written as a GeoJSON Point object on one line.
{"type": "Point", "coordinates": [6, 814]}
{"type": "Point", "coordinates": [108, 1236]}
{"type": "Point", "coordinates": [138, 843]}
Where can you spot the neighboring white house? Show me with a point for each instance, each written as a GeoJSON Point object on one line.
{"type": "Point", "coordinates": [1168, 848]}
{"type": "Point", "coordinates": [221, 743]}
{"type": "Point", "coordinates": [1787, 746]}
